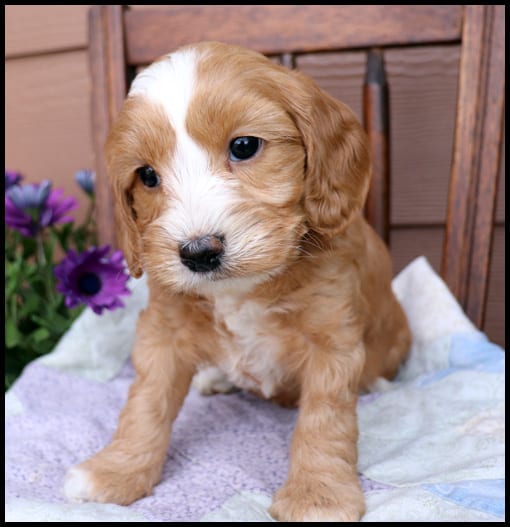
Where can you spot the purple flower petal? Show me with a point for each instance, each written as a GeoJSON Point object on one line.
{"type": "Point", "coordinates": [31, 207]}
{"type": "Point", "coordinates": [92, 278]}
{"type": "Point", "coordinates": [12, 178]}
{"type": "Point", "coordinates": [86, 179]}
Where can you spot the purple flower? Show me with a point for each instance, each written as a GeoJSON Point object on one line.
{"type": "Point", "coordinates": [86, 178]}
{"type": "Point", "coordinates": [93, 279]}
{"type": "Point", "coordinates": [31, 207]}
{"type": "Point", "coordinates": [12, 178]}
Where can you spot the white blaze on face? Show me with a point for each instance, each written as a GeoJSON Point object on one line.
{"type": "Point", "coordinates": [201, 198]}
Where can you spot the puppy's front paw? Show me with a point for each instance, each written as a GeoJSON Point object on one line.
{"type": "Point", "coordinates": [313, 502]}
{"type": "Point", "coordinates": [78, 485]}
{"type": "Point", "coordinates": [96, 480]}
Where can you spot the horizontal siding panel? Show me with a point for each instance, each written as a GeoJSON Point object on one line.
{"type": "Point", "coordinates": [410, 243]}
{"type": "Point", "coordinates": [340, 74]}
{"type": "Point", "coordinates": [36, 29]}
{"type": "Point", "coordinates": [423, 92]}
{"type": "Point", "coordinates": [47, 117]}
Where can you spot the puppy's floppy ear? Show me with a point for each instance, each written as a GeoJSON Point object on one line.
{"type": "Point", "coordinates": [338, 168]}
{"type": "Point", "coordinates": [126, 231]}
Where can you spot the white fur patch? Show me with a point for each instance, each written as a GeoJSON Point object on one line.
{"type": "Point", "coordinates": [77, 485]}
{"type": "Point", "coordinates": [252, 363]}
{"type": "Point", "coordinates": [202, 198]}
{"type": "Point", "coordinates": [212, 380]}
{"type": "Point", "coordinates": [169, 82]}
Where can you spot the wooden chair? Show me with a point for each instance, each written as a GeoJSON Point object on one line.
{"type": "Point", "coordinates": [121, 40]}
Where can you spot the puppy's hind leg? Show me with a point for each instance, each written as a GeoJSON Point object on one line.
{"type": "Point", "coordinates": [210, 380]}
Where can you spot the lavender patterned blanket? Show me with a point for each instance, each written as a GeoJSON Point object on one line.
{"type": "Point", "coordinates": [431, 442]}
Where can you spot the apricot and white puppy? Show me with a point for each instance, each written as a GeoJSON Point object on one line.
{"type": "Point", "coordinates": [238, 190]}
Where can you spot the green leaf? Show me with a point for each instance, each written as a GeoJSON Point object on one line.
{"type": "Point", "coordinates": [40, 334]}
{"type": "Point", "coordinates": [32, 303]}
{"type": "Point", "coordinates": [12, 335]}
{"type": "Point", "coordinates": [56, 323]}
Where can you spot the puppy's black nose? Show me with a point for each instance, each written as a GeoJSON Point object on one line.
{"type": "Point", "coordinates": [202, 254]}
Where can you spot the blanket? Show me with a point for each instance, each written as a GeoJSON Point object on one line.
{"type": "Point", "coordinates": [431, 445]}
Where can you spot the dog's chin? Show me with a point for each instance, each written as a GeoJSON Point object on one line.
{"type": "Point", "coordinates": [224, 281]}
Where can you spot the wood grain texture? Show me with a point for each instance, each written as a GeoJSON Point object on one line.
{"type": "Point", "coordinates": [476, 158]}
{"type": "Point", "coordinates": [39, 29]}
{"type": "Point", "coordinates": [287, 28]}
{"type": "Point", "coordinates": [47, 118]}
{"type": "Point", "coordinates": [108, 75]}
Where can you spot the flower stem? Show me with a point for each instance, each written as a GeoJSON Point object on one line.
{"type": "Point", "coordinates": [41, 257]}
{"type": "Point", "coordinates": [90, 223]}
{"type": "Point", "coordinates": [46, 266]}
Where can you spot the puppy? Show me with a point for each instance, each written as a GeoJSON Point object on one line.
{"type": "Point", "coordinates": [238, 190]}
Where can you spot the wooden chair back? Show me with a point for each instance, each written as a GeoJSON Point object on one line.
{"type": "Point", "coordinates": [121, 39]}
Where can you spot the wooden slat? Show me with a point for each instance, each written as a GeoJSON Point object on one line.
{"type": "Point", "coordinates": [377, 125]}
{"type": "Point", "coordinates": [108, 75]}
{"type": "Point", "coordinates": [47, 119]}
{"type": "Point", "coordinates": [274, 29]}
{"type": "Point", "coordinates": [476, 158]}
{"type": "Point", "coordinates": [38, 29]}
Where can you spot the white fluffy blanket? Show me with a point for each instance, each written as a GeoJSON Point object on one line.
{"type": "Point", "coordinates": [431, 444]}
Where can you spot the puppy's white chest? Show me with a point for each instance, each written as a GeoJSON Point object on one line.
{"type": "Point", "coordinates": [251, 350]}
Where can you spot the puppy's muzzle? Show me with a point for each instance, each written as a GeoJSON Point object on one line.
{"type": "Point", "coordinates": [201, 255]}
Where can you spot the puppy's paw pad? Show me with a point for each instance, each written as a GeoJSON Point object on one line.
{"type": "Point", "coordinates": [78, 485]}
{"type": "Point", "coordinates": [208, 381]}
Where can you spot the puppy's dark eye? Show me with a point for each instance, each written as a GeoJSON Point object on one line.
{"type": "Point", "coordinates": [242, 148]}
{"type": "Point", "coordinates": [148, 176]}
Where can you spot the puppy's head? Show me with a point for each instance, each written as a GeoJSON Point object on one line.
{"type": "Point", "coordinates": [221, 161]}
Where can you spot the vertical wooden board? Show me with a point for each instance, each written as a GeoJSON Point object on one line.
{"type": "Point", "coordinates": [35, 29]}
{"type": "Point", "coordinates": [495, 311]}
{"type": "Point", "coordinates": [47, 119]}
